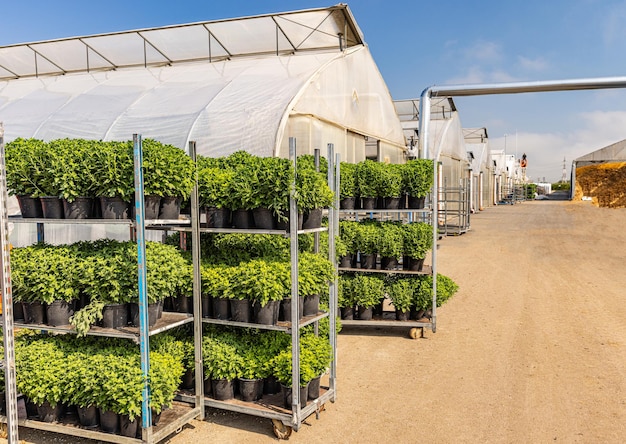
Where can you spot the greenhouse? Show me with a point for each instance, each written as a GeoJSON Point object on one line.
{"type": "Point", "coordinates": [482, 178]}
{"type": "Point", "coordinates": [242, 84]}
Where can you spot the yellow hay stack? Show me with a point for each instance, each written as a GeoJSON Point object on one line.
{"type": "Point", "coordinates": [604, 183]}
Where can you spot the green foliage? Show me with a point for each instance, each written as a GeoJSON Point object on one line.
{"type": "Point", "coordinates": [234, 248]}
{"type": "Point", "coordinates": [368, 237]}
{"type": "Point", "coordinates": [44, 273]}
{"type": "Point", "coordinates": [83, 319]}
{"type": "Point", "coordinates": [168, 171]}
{"type": "Point", "coordinates": [418, 239]}
{"type": "Point", "coordinates": [214, 185]}
{"type": "Point", "coordinates": [401, 293]}
{"type": "Point", "coordinates": [389, 183]}
{"type": "Point", "coordinates": [391, 237]}
{"type": "Point", "coordinates": [367, 177]}
{"type": "Point", "coordinates": [446, 288]}
{"type": "Point", "coordinates": [349, 231]}
{"type": "Point", "coordinates": [72, 169]}
{"type": "Point", "coordinates": [345, 294]}
{"type": "Point", "coordinates": [114, 164]}
{"type": "Point", "coordinates": [348, 182]}
{"type": "Point", "coordinates": [314, 274]}
{"type": "Point", "coordinates": [260, 281]}
{"type": "Point", "coordinates": [221, 360]}
{"type": "Point", "coordinates": [307, 161]}
{"type": "Point", "coordinates": [367, 290]}
{"type": "Point", "coordinates": [317, 352]}
{"type": "Point", "coordinates": [531, 189]}
{"type": "Point", "coordinates": [26, 167]}
{"type": "Point", "coordinates": [417, 177]}
{"type": "Point", "coordinates": [312, 190]}
{"type": "Point", "coordinates": [561, 186]}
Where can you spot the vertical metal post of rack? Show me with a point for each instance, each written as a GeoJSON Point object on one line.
{"type": "Point", "coordinates": [197, 285]}
{"type": "Point", "coordinates": [435, 223]}
{"type": "Point", "coordinates": [316, 236]}
{"type": "Point", "coordinates": [7, 305]}
{"type": "Point", "coordinates": [333, 231]}
{"type": "Point", "coordinates": [144, 345]}
{"type": "Point", "coordinates": [295, 300]}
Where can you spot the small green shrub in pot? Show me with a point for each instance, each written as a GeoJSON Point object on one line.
{"type": "Point", "coordinates": [417, 177]}
{"type": "Point", "coordinates": [312, 191]}
{"type": "Point", "coordinates": [367, 239]}
{"type": "Point", "coordinates": [168, 171]}
{"type": "Point", "coordinates": [368, 291]}
{"type": "Point", "coordinates": [243, 190]}
{"type": "Point", "coordinates": [273, 182]}
{"type": "Point", "coordinates": [348, 231]}
{"type": "Point", "coordinates": [389, 181]}
{"type": "Point", "coordinates": [114, 166]}
{"type": "Point", "coordinates": [418, 239]}
{"type": "Point", "coordinates": [318, 353]}
{"type": "Point", "coordinates": [368, 174]}
{"type": "Point", "coordinates": [282, 367]}
{"type": "Point", "coordinates": [423, 290]}
{"type": "Point", "coordinates": [345, 294]}
{"type": "Point", "coordinates": [74, 170]}
{"type": "Point", "coordinates": [25, 167]}
{"type": "Point", "coordinates": [220, 360]}
{"type": "Point", "coordinates": [214, 186]}
{"type": "Point", "coordinates": [401, 293]}
{"type": "Point", "coordinates": [391, 239]}
{"type": "Point", "coordinates": [348, 181]}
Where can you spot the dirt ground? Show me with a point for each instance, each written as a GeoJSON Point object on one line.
{"type": "Point", "coordinates": [532, 349]}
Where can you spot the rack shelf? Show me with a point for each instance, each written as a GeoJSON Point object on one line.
{"type": "Point", "coordinates": [237, 230]}
{"type": "Point", "coordinates": [280, 326]}
{"type": "Point", "coordinates": [426, 270]}
{"type": "Point", "coordinates": [171, 420]}
{"type": "Point", "coordinates": [168, 321]}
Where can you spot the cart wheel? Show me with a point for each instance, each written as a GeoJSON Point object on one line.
{"type": "Point", "coordinates": [416, 333]}
{"type": "Point", "coordinates": [281, 430]}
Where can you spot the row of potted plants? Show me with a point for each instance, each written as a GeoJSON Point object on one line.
{"type": "Point", "coordinates": [393, 241]}
{"type": "Point", "coordinates": [247, 191]}
{"type": "Point", "coordinates": [259, 289]}
{"type": "Point", "coordinates": [86, 282]}
{"type": "Point", "coordinates": [383, 185]}
{"type": "Point", "coordinates": [97, 379]}
{"type": "Point", "coordinates": [261, 363]}
{"type": "Point", "coordinates": [62, 178]}
{"type": "Point", "coordinates": [411, 296]}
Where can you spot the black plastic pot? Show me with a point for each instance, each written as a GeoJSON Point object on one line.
{"type": "Point", "coordinates": [18, 311]}
{"type": "Point", "coordinates": [30, 206]}
{"type": "Point", "coordinates": [128, 427]}
{"type": "Point", "coordinates": [250, 389]}
{"type": "Point", "coordinates": [47, 413]}
{"type": "Point", "coordinates": [240, 310]}
{"type": "Point", "coordinates": [365, 313]}
{"type": "Point", "coordinates": [153, 314]}
{"type": "Point", "coordinates": [34, 313]}
{"type": "Point", "coordinates": [368, 203]}
{"type": "Point", "coordinates": [242, 219]}
{"type": "Point", "coordinates": [287, 395]}
{"type": "Point", "coordinates": [271, 386]}
{"type": "Point", "coordinates": [115, 316]}
{"type": "Point", "coordinates": [314, 388]}
{"type": "Point", "coordinates": [58, 313]}
{"type": "Point", "coordinates": [170, 207]}
{"type": "Point", "coordinates": [109, 421]}
{"type": "Point", "coordinates": [284, 224]}
{"type": "Point", "coordinates": [266, 314]}
{"type": "Point", "coordinates": [285, 309]}
{"type": "Point", "coordinates": [403, 315]}
{"type": "Point", "coordinates": [312, 219]}
{"type": "Point", "coordinates": [223, 389]}
{"type": "Point", "coordinates": [346, 261]}
{"type": "Point", "coordinates": [79, 208]}
{"type": "Point", "coordinates": [88, 416]}
{"type": "Point", "coordinates": [152, 205]}
{"type": "Point", "coordinates": [368, 261]}
{"type": "Point", "coordinates": [52, 207]}
{"type": "Point", "coordinates": [347, 313]}
{"type": "Point", "coordinates": [311, 304]}
{"type": "Point", "coordinates": [392, 203]}
{"type": "Point", "coordinates": [208, 389]}
{"type": "Point", "coordinates": [206, 305]}
{"type": "Point", "coordinates": [347, 203]}
{"type": "Point", "coordinates": [415, 202]}
{"type": "Point", "coordinates": [221, 308]}
{"type": "Point", "coordinates": [413, 264]}
{"type": "Point", "coordinates": [218, 217]}
{"type": "Point", "coordinates": [263, 218]}
{"type": "Point", "coordinates": [188, 381]}
{"type": "Point", "coordinates": [183, 304]}
{"type": "Point", "coordinates": [114, 208]}
{"type": "Point", "coordinates": [388, 263]}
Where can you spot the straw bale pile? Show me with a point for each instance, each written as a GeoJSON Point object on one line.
{"type": "Point", "coordinates": [604, 183]}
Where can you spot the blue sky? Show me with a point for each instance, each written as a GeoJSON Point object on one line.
{"type": "Point", "coordinates": [418, 43]}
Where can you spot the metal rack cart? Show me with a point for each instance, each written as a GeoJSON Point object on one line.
{"type": "Point", "coordinates": [181, 413]}
{"type": "Point", "coordinates": [405, 215]}
{"type": "Point", "coordinates": [284, 420]}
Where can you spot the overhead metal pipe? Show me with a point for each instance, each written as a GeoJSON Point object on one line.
{"type": "Point", "coordinates": [504, 88]}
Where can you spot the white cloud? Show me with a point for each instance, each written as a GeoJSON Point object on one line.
{"type": "Point", "coordinates": [484, 51]}
{"type": "Point", "coordinates": [538, 64]}
{"type": "Point", "coordinates": [475, 74]}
